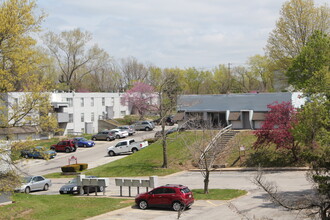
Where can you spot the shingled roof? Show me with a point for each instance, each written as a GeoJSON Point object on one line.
{"type": "Point", "coordinates": [232, 102]}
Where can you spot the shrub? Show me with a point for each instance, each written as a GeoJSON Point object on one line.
{"type": "Point", "coordinates": [70, 168]}
{"type": "Point", "coordinates": [83, 166]}
{"type": "Point", "coordinates": [151, 140]}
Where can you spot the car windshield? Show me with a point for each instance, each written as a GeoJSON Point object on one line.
{"type": "Point", "coordinates": [26, 179]}
{"type": "Point", "coordinates": [73, 180]}
{"type": "Point", "coordinates": [185, 190]}
{"type": "Point", "coordinates": [81, 139]}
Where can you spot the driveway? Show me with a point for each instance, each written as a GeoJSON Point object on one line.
{"type": "Point", "coordinates": [251, 206]}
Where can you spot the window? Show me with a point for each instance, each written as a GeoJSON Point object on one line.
{"type": "Point", "coordinates": [112, 101]}
{"type": "Point", "coordinates": [70, 118]}
{"type": "Point", "coordinates": [82, 117]}
{"type": "Point", "coordinates": [122, 113]}
{"type": "Point", "coordinates": [158, 191]}
{"type": "Point", "coordinates": [70, 101]}
{"type": "Point", "coordinates": [92, 101]}
{"type": "Point", "coordinates": [92, 116]}
{"type": "Point", "coordinates": [70, 131]}
{"type": "Point", "coordinates": [83, 130]}
{"type": "Point", "coordinates": [103, 101]}
{"type": "Point", "coordinates": [82, 102]}
{"type": "Point", "coordinates": [16, 101]}
{"type": "Point", "coordinates": [169, 190]}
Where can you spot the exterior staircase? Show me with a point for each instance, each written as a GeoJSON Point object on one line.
{"type": "Point", "coordinates": [217, 145]}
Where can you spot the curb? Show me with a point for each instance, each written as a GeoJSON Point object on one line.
{"type": "Point", "coordinates": [245, 169]}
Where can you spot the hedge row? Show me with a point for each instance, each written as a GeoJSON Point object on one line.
{"type": "Point", "coordinates": [74, 167]}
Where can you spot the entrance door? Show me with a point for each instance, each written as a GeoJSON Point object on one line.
{"type": "Point", "coordinates": [246, 121]}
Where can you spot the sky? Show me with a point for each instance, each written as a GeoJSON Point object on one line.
{"type": "Point", "coordinates": [171, 33]}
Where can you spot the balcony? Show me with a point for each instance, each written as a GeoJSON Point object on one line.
{"type": "Point", "coordinates": [62, 117]}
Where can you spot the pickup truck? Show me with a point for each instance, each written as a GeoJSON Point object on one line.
{"type": "Point", "coordinates": [126, 146]}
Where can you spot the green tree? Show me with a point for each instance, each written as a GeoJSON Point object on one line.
{"type": "Point", "coordinates": [259, 67]}
{"type": "Point", "coordinates": [298, 21]}
{"type": "Point", "coordinates": [20, 60]}
{"type": "Point", "coordinates": [308, 64]}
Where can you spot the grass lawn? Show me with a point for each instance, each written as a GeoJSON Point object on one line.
{"type": "Point", "coordinates": [218, 194]}
{"type": "Point", "coordinates": [146, 162]}
{"type": "Point", "coordinates": [55, 207]}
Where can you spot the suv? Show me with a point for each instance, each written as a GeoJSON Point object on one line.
{"type": "Point", "coordinates": [174, 196]}
{"type": "Point", "coordinates": [67, 146]}
{"type": "Point", "coordinates": [144, 125]}
{"type": "Point", "coordinates": [128, 128]}
{"type": "Point", "coordinates": [104, 135]}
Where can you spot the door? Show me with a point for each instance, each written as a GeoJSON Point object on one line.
{"type": "Point", "coordinates": [157, 197]}
{"type": "Point", "coordinates": [245, 120]}
{"type": "Point", "coordinates": [121, 147]}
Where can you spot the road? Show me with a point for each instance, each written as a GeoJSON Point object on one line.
{"type": "Point", "coordinates": [94, 156]}
{"type": "Point", "coordinates": [251, 206]}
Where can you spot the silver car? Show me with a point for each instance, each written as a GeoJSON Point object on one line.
{"type": "Point", "coordinates": [144, 125]}
{"type": "Point", "coordinates": [34, 183]}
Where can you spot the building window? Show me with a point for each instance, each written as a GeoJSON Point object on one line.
{"type": "Point", "coordinates": [83, 130]}
{"type": "Point", "coordinates": [70, 131]}
{"type": "Point", "coordinates": [82, 102]}
{"type": "Point", "coordinates": [112, 101]}
{"type": "Point", "coordinates": [70, 101]}
{"type": "Point", "coordinates": [103, 101]}
{"type": "Point", "coordinates": [92, 101]}
{"type": "Point", "coordinates": [82, 117]}
{"type": "Point", "coordinates": [70, 118]}
{"type": "Point", "coordinates": [92, 116]}
{"type": "Point", "coordinates": [16, 101]}
{"type": "Point", "coordinates": [122, 113]}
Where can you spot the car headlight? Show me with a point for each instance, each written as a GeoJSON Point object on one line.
{"type": "Point", "coordinates": [75, 188]}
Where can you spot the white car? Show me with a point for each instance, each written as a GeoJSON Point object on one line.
{"type": "Point", "coordinates": [34, 183]}
{"type": "Point", "coordinates": [117, 133]}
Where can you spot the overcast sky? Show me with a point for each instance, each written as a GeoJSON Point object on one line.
{"type": "Point", "coordinates": [171, 33]}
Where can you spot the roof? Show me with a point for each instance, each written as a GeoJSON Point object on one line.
{"type": "Point", "coordinates": [19, 130]}
{"type": "Point", "coordinates": [232, 102]}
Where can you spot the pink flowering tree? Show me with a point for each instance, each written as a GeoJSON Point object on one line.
{"type": "Point", "coordinates": [277, 128]}
{"type": "Point", "coordinates": [141, 97]}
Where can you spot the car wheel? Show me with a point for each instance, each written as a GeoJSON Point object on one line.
{"type": "Point", "coordinates": [111, 153]}
{"type": "Point", "coordinates": [27, 190]}
{"type": "Point", "coordinates": [134, 150]}
{"type": "Point", "coordinates": [46, 187]}
{"type": "Point", "coordinates": [143, 204]}
{"type": "Point", "coordinates": [108, 139]}
{"type": "Point", "coordinates": [67, 150]}
{"type": "Point", "coordinates": [26, 156]}
{"type": "Point", "coordinates": [85, 145]}
{"type": "Point", "coordinates": [147, 129]}
{"type": "Point", "coordinates": [176, 206]}
{"type": "Point", "coordinates": [117, 136]}
{"type": "Point", "coordinates": [94, 138]}
{"type": "Point", "coordinates": [100, 189]}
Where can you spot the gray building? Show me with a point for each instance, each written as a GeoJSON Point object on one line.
{"type": "Point", "coordinates": [242, 111]}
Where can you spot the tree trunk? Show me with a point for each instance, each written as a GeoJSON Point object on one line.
{"type": "Point", "coordinates": [165, 165]}
{"type": "Point", "coordinates": [206, 181]}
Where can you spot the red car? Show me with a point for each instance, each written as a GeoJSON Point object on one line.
{"type": "Point", "coordinates": [67, 146]}
{"type": "Point", "coordinates": [170, 195]}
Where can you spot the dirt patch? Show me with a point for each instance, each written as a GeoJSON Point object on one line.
{"type": "Point", "coordinates": [127, 201]}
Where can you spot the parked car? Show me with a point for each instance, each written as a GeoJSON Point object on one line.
{"type": "Point", "coordinates": [34, 183]}
{"type": "Point", "coordinates": [158, 134]}
{"type": "Point", "coordinates": [169, 120]}
{"type": "Point", "coordinates": [129, 128]}
{"type": "Point", "coordinates": [104, 135]}
{"type": "Point", "coordinates": [174, 196]}
{"type": "Point", "coordinates": [119, 133]}
{"type": "Point", "coordinates": [72, 187]}
{"type": "Point", "coordinates": [144, 125]}
{"type": "Point", "coordinates": [38, 152]}
{"type": "Point", "coordinates": [66, 146]}
{"type": "Point", "coordinates": [127, 146]}
{"type": "Point", "coordinates": [83, 142]}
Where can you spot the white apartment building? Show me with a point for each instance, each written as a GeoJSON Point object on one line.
{"type": "Point", "coordinates": [79, 112]}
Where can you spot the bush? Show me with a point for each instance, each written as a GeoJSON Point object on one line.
{"type": "Point", "coordinates": [128, 119]}
{"type": "Point", "coordinates": [151, 140]}
{"type": "Point", "coordinates": [70, 168]}
{"type": "Point", "coordinates": [83, 166]}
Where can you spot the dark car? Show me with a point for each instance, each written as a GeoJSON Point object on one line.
{"type": "Point", "coordinates": [83, 142]}
{"type": "Point", "coordinates": [158, 134]}
{"type": "Point", "coordinates": [104, 135]}
{"type": "Point", "coordinates": [72, 187]}
{"type": "Point", "coordinates": [170, 195]}
{"type": "Point", "coordinates": [38, 152]}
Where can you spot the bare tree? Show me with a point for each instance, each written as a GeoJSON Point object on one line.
{"type": "Point", "coordinates": [206, 147]}
{"type": "Point", "coordinates": [314, 203]}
